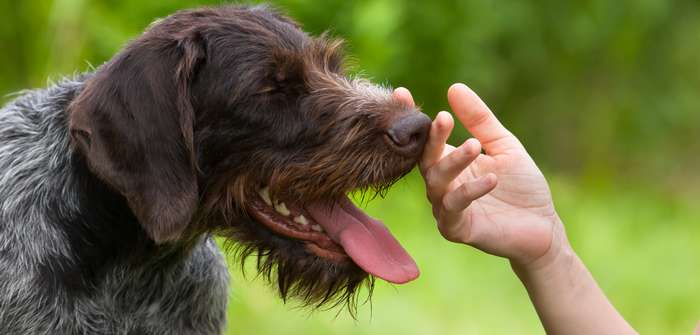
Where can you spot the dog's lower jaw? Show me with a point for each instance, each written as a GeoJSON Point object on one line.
{"type": "Point", "coordinates": [334, 228]}
{"type": "Point", "coordinates": [295, 223]}
{"type": "Point", "coordinates": [299, 276]}
{"type": "Point", "coordinates": [327, 253]}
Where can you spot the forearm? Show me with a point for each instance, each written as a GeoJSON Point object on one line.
{"type": "Point", "coordinates": [567, 298]}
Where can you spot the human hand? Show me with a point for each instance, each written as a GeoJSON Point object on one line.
{"type": "Point", "coordinates": [499, 201]}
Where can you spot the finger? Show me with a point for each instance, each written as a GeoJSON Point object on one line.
{"type": "Point", "coordinates": [404, 95]}
{"type": "Point", "coordinates": [439, 132]}
{"type": "Point", "coordinates": [447, 169]}
{"type": "Point", "coordinates": [460, 198]}
{"type": "Point", "coordinates": [480, 121]}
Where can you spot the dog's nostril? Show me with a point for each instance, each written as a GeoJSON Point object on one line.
{"type": "Point", "coordinates": [409, 133]}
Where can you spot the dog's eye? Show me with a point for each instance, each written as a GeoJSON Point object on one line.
{"type": "Point", "coordinates": [267, 89]}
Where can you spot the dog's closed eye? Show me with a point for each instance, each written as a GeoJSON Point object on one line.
{"type": "Point", "coordinates": [267, 89]}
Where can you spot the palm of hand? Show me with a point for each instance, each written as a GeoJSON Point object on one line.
{"type": "Point", "coordinates": [516, 220]}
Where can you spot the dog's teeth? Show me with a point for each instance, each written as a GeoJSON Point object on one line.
{"type": "Point", "coordinates": [317, 228]}
{"type": "Point", "coordinates": [265, 195]}
{"type": "Point", "coordinates": [282, 209]}
{"type": "Point", "coordinates": [301, 220]}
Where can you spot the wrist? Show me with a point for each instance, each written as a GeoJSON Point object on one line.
{"type": "Point", "coordinates": [559, 258]}
{"type": "Point", "coordinates": [556, 280]}
{"type": "Point", "coordinates": [564, 266]}
{"type": "Point", "coordinates": [566, 296]}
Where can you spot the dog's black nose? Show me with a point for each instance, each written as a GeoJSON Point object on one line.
{"type": "Point", "coordinates": [408, 134]}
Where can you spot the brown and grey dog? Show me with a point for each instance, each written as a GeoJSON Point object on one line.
{"type": "Point", "coordinates": [225, 121]}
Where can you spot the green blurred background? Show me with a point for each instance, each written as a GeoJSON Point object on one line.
{"type": "Point", "coordinates": [605, 95]}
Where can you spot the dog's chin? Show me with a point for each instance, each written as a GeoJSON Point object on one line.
{"type": "Point", "coordinates": [314, 280]}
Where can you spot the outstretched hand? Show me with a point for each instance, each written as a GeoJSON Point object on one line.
{"type": "Point", "coordinates": [497, 201]}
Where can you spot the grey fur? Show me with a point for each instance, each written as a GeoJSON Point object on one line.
{"type": "Point", "coordinates": [38, 186]}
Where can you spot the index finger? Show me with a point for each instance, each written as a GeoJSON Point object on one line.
{"type": "Point", "coordinates": [480, 121]}
{"type": "Point", "coordinates": [435, 146]}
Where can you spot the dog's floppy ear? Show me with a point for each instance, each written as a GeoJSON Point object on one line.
{"type": "Point", "coordinates": [133, 122]}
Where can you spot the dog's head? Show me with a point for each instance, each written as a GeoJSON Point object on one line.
{"type": "Point", "coordinates": [233, 120]}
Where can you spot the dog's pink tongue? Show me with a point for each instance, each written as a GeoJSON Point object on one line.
{"type": "Point", "coordinates": [367, 241]}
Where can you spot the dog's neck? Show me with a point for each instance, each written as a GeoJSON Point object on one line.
{"type": "Point", "coordinates": [50, 187]}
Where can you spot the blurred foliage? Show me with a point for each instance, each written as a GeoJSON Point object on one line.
{"type": "Point", "coordinates": [604, 93]}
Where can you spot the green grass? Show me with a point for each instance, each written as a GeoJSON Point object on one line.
{"type": "Point", "coordinates": [639, 245]}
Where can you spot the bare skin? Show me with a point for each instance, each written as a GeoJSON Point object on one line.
{"type": "Point", "coordinates": [499, 202]}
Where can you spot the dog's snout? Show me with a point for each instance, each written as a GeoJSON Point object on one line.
{"type": "Point", "coordinates": [409, 133]}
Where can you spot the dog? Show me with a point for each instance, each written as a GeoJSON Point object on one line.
{"type": "Point", "coordinates": [221, 121]}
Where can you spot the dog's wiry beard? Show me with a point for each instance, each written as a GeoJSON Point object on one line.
{"type": "Point", "coordinates": [300, 276]}
{"type": "Point", "coordinates": [311, 281]}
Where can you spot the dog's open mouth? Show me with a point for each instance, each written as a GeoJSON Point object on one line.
{"type": "Point", "coordinates": [338, 230]}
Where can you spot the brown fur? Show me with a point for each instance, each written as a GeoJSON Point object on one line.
{"type": "Point", "coordinates": [209, 105]}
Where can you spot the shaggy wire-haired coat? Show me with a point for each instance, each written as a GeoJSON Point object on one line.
{"type": "Point", "coordinates": [226, 120]}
